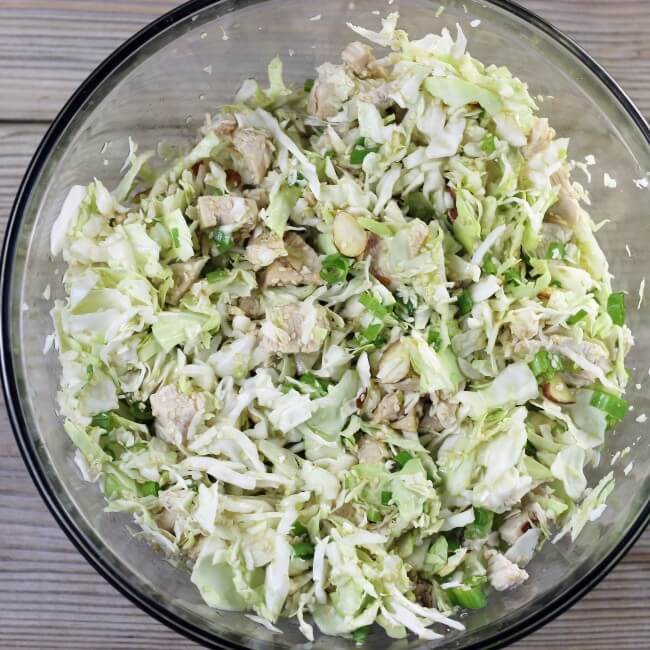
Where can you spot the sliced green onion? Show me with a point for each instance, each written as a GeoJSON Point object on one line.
{"type": "Point", "coordinates": [489, 266]}
{"type": "Point", "coordinates": [90, 371]}
{"type": "Point", "coordinates": [222, 239]}
{"type": "Point", "coordinates": [360, 635]}
{"type": "Point", "coordinates": [616, 307]}
{"type": "Point", "coordinates": [385, 498]}
{"type": "Point", "coordinates": [402, 458]}
{"type": "Point", "coordinates": [334, 268]}
{"type": "Point", "coordinates": [114, 449]}
{"type": "Point", "coordinates": [298, 529]}
{"type": "Point", "coordinates": [176, 240]}
{"type": "Point", "coordinates": [373, 305]}
{"type": "Point", "coordinates": [309, 84]}
{"type": "Point", "coordinates": [487, 143]}
{"type": "Point", "coordinates": [370, 334]}
{"type": "Point", "coordinates": [214, 191]}
{"type": "Point", "coordinates": [403, 310]}
{"type": "Point", "coordinates": [541, 363]}
{"type": "Point", "coordinates": [576, 318]}
{"type": "Point", "coordinates": [102, 420]}
{"type": "Point", "coordinates": [360, 151]}
{"type": "Point", "coordinates": [512, 277]}
{"type": "Point", "coordinates": [139, 411]}
{"type": "Point", "coordinates": [216, 276]}
{"type": "Point", "coordinates": [111, 486]}
{"type": "Point", "coordinates": [373, 515]}
{"type": "Point", "coordinates": [465, 303]}
{"type": "Point", "coordinates": [419, 206]}
{"type": "Point", "coordinates": [149, 489]}
{"type": "Point", "coordinates": [613, 405]}
{"type": "Point", "coordinates": [556, 251]}
{"type": "Point", "coordinates": [481, 526]}
{"type": "Point", "coordinates": [303, 549]}
{"type": "Point", "coordinates": [319, 384]}
{"type": "Point", "coordinates": [471, 598]}
{"type": "Point", "coordinates": [434, 338]}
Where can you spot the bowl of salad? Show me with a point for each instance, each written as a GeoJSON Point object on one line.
{"type": "Point", "coordinates": [323, 325]}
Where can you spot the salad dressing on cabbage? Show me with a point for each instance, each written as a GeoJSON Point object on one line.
{"type": "Point", "coordinates": [351, 356]}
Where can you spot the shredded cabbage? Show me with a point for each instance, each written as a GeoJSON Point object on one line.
{"type": "Point", "coordinates": [352, 356]}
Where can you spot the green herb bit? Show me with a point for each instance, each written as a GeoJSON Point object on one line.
{"type": "Point", "coordinates": [149, 489]}
{"type": "Point", "coordinates": [334, 268]}
{"type": "Point", "coordinates": [303, 549]}
{"type": "Point", "coordinates": [577, 317]}
{"type": "Point", "coordinates": [616, 307]}
{"type": "Point", "coordinates": [373, 305]}
{"type": "Point", "coordinates": [402, 458]}
{"type": "Point", "coordinates": [102, 420]}
{"type": "Point", "coordinates": [222, 239]}
{"type": "Point", "coordinates": [614, 406]}
{"type": "Point", "coordinates": [465, 303]}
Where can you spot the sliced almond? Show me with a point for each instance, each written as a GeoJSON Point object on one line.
{"type": "Point", "coordinates": [557, 391]}
{"type": "Point", "coordinates": [349, 237]}
{"type": "Point", "coordinates": [394, 365]}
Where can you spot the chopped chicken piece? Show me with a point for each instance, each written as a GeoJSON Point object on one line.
{"type": "Point", "coordinates": [378, 252]}
{"type": "Point", "coordinates": [301, 265]}
{"type": "Point", "coordinates": [256, 150]}
{"type": "Point", "coordinates": [381, 96]}
{"type": "Point", "coordinates": [417, 235]}
{"type": "Point", "coordinates": [360, 59]}
{"type": "Point", "coordinates": [502, 573]}
{"type": "Point", "coordinates": [539, 139]}
{"type": "Point", "coordinates": [371, 450]}
{"type": "Point", "coordinates": [410, 422]}
{"type": "Point", "coordinates": [264, 248]}
{"type": "Point", "coordinates": [235, 212]}
{"type": "Point", "coordinates": [251, 306]}
{"type": "Point", "coordinates": [295, 328]}
{"type": "Point", "coordinates": [185, 274]}
{"type": "Point", "coordinates": [424, 593]}
{"type": "Point", "coordinates": [226, 125]}
{"type": "Point", "coordinates": [389, 408]}
{"type": "Point", "coordinates": [174, 412]}
{"type": "Point", "coordinates": [258, 194]}
{"type": "Point", "coordinates": [595, 352]}
{"type": "Point", "coordinates": [330, 90]}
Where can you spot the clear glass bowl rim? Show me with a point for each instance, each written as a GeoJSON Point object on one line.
{"type": "Point", "coordinates": [535, 619]}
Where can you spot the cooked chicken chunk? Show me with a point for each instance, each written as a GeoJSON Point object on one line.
{"type": "Point", "coordinates": [234, 212]}
{"type": "Point", "coordinates": [185, 274]}
{"type": "Point", "coordinates": [256, 150]}
{"type": "Point", "coordinates": [174, 413]}
{"type": "Point", "coordinates": [389, 408]}
{"type": "Point", "coordinates": [258, 194]}
{"type": "Point", "coordinates": [264, 248]}
{"type": "Point", "coordinates": [360, 59]}
{"type": "Point", "coordinates": [378, 252]}
{"type": "Point", "coordinates": [295, 328]}
{"type": "Point", "coordinates": [370, 450]}
{"type": "Point", "coordinates": [502, 573]}
{"type": "Point", "coordinates": [330, 90]}
{"type": "Point", "coordinates": [301, 265]}
{"type": "Point", "coordinates": [539, 138]}
{"type": "Point", "coordinates": [251, 306]}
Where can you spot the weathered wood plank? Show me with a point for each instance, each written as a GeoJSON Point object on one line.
{"type": "Point", "coordinates": [48, 47]}
{"type": "Point", "coordinates": [49, 596]}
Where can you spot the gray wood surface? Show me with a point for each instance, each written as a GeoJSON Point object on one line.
{"type": "Point", "coordinates": [49, 596]}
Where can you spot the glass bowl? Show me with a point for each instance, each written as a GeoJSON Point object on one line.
{"type": "Point", "coordinates": [158, 86]}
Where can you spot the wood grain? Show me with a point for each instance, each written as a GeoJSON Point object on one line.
{"type": "Point", "coordinates": [49, 595]}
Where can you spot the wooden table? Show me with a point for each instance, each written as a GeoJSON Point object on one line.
{"type": "Point", "coordinates": [49, 596]}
